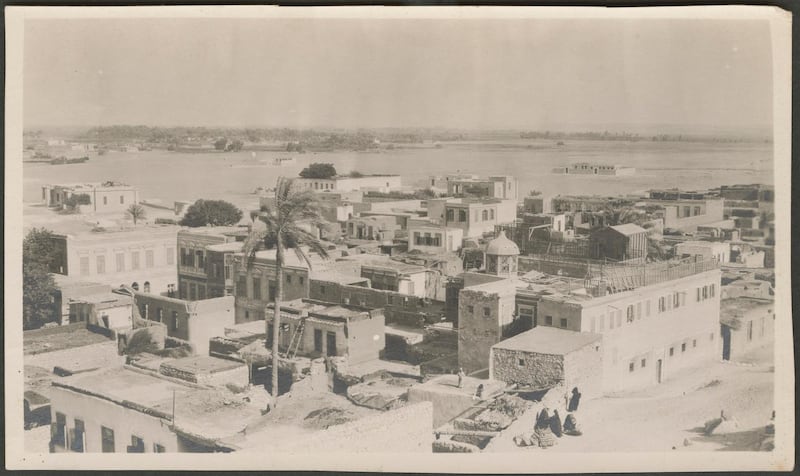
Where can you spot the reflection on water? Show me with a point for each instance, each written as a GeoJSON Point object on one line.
{"type": "Point", "coordinates": [234, 176]}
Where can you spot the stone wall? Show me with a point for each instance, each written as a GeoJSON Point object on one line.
{"type": "Point", "coordinates": [583, 369]}
{"type": "Point", "coordinates": [477, 332]}
{"type": "Point", "coordinates": [398, 308]}
{"type": "Point", "coordinates": [527, 369]}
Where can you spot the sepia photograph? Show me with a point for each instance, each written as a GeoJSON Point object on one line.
{"type": "Point", "coordinates": [302, 238]}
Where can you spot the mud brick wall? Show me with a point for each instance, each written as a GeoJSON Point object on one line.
{"type": "Point", "coordinates": [527, 369]}
{"type": "Point", "coordinates": [398, 308]}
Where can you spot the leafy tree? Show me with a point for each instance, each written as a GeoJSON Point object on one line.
{"type": "Point", "coordinates": [38, 288]}
{"type": "Point", "coordinates": [356, 174]}
{"type": "Point", "coordinates": [135, 212]}
{"type": "Point", "coordinates": [39, 257]}
{"type": "Point", "coordinates": [40, 246]}
{"type": "Point", "coordinates": [318, 171]}
{"type": "Point", "coordinates": [72, 203]}
{"type": "Point", "coordinates": [234, 146]}
{"type": "Point", "coordinates": [221, 143]}
{"type": "Point", "coordinates": [140, 342]}
{"type": "Point", "coordinates": [211, 212]}
{"type": "Point", "coordinates": [283, 231]}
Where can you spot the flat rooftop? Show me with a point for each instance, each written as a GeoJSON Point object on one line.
{"type": "Point", "coordinates": [94, 186]}
{"type": "Point", "coordinates": [549, 340]}
{"type": "Point", "coordinates": [129, 233]}
{"type": "Point", "coordinates": [703, 243]}
{"type": "Point", "coordinates": [205, 412]}
{"type": "Point", "coordinates": [742, 304]}
{"type": "Point", "coordinates": [388, 263]}
{"type": "Point", "coordinates": [234, 246]}
{"type": "Point", "coordinates": [107, 299]}
{"type": "Point", "coordinates": [203, 364]}
{"type": "Point", "coordinates": [215, 230]}
{"type": "Point", "coordinates": [59, 338]}
{"type": "Point", "coordinates": [321, 310]}
{"type": "Point", "coordinates": [334, 277]}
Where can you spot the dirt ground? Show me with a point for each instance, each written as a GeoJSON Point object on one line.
{"type": "Point", "coordinates": [662, 417]}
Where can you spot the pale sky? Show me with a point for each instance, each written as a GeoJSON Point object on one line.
{"type": "Point", "coordinates": [471, 74]}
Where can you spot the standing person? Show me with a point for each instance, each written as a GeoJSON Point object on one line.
{"type": "Point", "coordinates": [574, 401]}
{"type": "Point", "coordinates": [555, 424]}
{"type": "Point", "coordinates": [543, 419]}
{"type": "Point", "coordinates": [460, 377]}
{"type": "Point", "coordinates": [478, 393]}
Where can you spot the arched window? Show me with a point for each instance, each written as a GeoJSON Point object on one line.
{"type": "Point", "coordinates": [147, 286]}
{"type": "Point", "coordinates": [135, 286]}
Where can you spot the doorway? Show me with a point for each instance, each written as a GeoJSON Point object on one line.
{"type": "Point", "coordinates": [658, 370]}
{"type": "Point", "coordinates": [331, 344]}
{"type": "Point", "coordinates": [317, 340]}
{"type": "Point", "coordinates": [726, 343]}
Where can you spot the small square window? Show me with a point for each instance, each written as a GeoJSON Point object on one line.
{"type": "Point", "coordinates": [470, 309]}
{"type": "Point", "coordinates": [487, 312]}
{"type": "Point", "coordinates": [683, 347]}
{"type": "Point", "coordinates": [302, 280]}
{"type": "Point", "coordinates": [671, 351]}
{"type": "Point", "coordinates": [630, 367]}
{"type": "Point", "coordinates": [521, 362]}
{"type": "Point", "coordinates": [289, 279]}
{"type": "Point", "coordinates": [563, 323]}
{"type": "Point", "coordinates": [694, 343]}
{"type": "Point", "coordinates": [548, 320]}
{"type": "Point", "coordinates": [644, 363]}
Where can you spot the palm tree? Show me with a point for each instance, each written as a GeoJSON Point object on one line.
{"type": "Point", "coordinates": [283, 230]}
{"type": "Point", "coordinates": [136, 212]}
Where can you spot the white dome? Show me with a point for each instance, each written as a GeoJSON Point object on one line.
{"type": "Point", "coordinates": [502, 246]}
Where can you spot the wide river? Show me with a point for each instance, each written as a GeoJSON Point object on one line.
{"type": "Point", "coordinates": [169, 176]}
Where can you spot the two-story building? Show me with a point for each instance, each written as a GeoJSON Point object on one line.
{"type": "Point", "coordinates": [195, 322]}
{"type": "Point", "coordinates": [375, 228]}
{"type": "Point", "coordinates": [687, 214]}
{"type": "Point", "coordinates": [254, 282]}
{"type": "Point", "coordinates": [430, 237]}
{"type": "Point", "coordinates": [143, 258]}
{"type": "Point", "coordinates": [204, 260]}
{"type": "Point", "coordinates": [500, 186]}
{"type": "Point", "coordinates": [649, 332]}
{"type": "Point", "coordinates": [314, 329]}
{"type": "Point", "coordinates": [474, 216]}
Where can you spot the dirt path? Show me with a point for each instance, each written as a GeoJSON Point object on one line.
{"type": "Point", "coordinates": [661, 417]}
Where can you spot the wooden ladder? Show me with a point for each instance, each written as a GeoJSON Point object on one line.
{"type": "Point", "coordinates": [294, 344]}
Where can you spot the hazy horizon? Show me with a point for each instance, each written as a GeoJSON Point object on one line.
{"type": "Point", "coordinates": [640, 76]}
